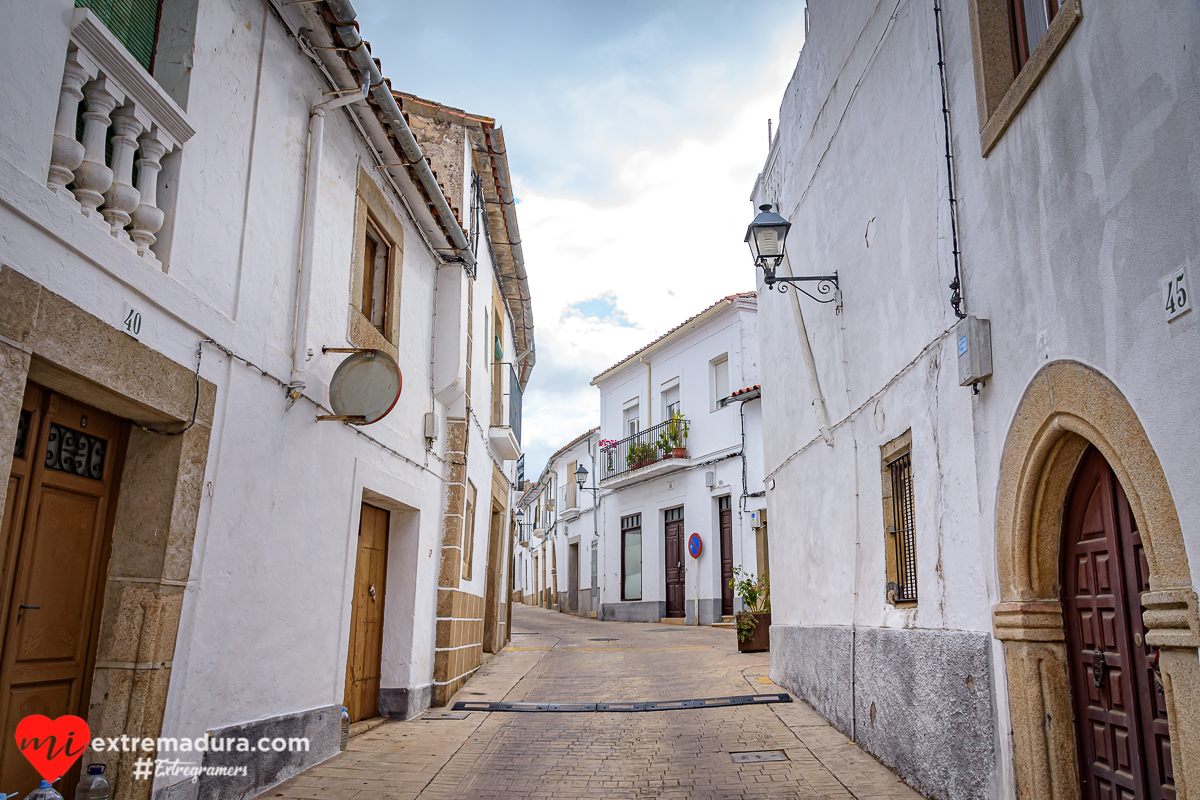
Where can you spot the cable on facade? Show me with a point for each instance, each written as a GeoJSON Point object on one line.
{"type": "Point", "coordinates": [956, 297]}
{"type": "Point", "coordinates": [285, 385]}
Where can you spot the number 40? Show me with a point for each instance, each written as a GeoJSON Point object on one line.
{"type": "Point", "coordinates": [1176, 299]}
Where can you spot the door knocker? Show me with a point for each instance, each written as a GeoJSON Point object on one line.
{"type": "Point", "coordinates": [371, 592]}
{"type": "Point", "coordinates": [1098, 668]}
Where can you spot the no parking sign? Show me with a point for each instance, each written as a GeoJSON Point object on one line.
{"type": "Point", "coordinates": [695, 545]}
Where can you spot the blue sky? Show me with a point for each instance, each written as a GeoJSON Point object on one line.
{"type": "Point", "coordinates": [635, 130]}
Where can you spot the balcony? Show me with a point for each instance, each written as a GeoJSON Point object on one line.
{"type": "Point", "coordinates": [504, 433]}
{"type": "Point", "coordinates": [660, 449]}
{"type": "Point", "coordinates": [114, 125]}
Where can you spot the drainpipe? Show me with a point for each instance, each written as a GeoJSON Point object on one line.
{"type": "Point", "coordinates": [308, 231]}
{"type": "Point", "coordinates": [810, 365]}
{"type": "Point", "coordinates": [649, 389]}
{"type": "Point", "coordinates": [344, 15]}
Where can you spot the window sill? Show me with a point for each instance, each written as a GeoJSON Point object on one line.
{"type": "Point", "coordinates": [1031, 74]}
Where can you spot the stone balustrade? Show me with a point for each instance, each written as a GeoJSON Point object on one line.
{"type": "Point", "coordinates": [125, 110]}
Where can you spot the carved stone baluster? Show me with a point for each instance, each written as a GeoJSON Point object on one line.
{"type": "Point", "coordinates": [92, 178]}
{"type": "Point", "coordinates": [67, 154]}
{"type": "Point", "coordinates": [148, 217]}
{"type": "Point", "coordinates": [121, 198]}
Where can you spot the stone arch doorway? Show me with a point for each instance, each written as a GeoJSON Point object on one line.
{"type": "Point", "coordinates": [1067, 409]}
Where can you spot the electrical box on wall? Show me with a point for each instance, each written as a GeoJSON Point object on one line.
{"type": "Point", "coordinates": [758, 519]}
{"type": "Point", "coordinates": [431, 425]}
{"type": "Point", "coordinates": [973, 338]}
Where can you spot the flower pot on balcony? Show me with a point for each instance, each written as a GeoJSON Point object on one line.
{"type": "Point", "coordinates": [679, 452]}
{"type": "Point", "coordinates": [760, 639]}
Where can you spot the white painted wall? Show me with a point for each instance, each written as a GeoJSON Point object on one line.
{"type": "Point", "coordinates": [1067, 228]}
{"type": "Point", "coordinates": [264, 628]}
{"type": "Point", "coordinates": [714, 444]}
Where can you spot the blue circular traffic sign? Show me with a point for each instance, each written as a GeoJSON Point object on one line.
{"type": "Point", "coordinates": [695, 545]}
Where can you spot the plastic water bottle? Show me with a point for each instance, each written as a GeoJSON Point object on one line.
{"type": "Point", "coordinates": [44, 792]}
{"type": "Point", "coordinates": [345, 727]}
{"type": "Point", "coordinates": [93, 785]}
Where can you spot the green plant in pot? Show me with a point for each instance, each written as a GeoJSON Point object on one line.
{"type": "Point", "coordinates": [672, 436]}
{"type": "Point", "coordinates": [663, 443]}
{"type": "Point", "coordinates": [640, 454]}
{"type": "Point", "coordinates": [753, 622]}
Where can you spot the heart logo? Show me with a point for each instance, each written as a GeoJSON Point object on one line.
{"type": "Point", "coordinates": [52, 745]}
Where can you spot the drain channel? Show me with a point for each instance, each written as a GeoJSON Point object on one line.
{"type": "Point", "coordinates": [662, 705]}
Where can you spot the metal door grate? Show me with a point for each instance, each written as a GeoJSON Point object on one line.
{"type": "Point", "coordinates": [661, 705]}
{"type": "Point", "coordinates": [905, 528]}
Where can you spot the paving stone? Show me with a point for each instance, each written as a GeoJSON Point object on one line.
{"type": "Point", "coordinates": [602, 756]}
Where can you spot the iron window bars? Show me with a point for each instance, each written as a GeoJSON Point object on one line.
{"type": "Point", "coordinates": [904, 528]}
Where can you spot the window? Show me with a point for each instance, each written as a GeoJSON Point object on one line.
{"type": "Point", "coordinates": [671, 404]}
{"type": "Point", "coordinates": [1014, 42]}
{"type": "Point", "coordinates": [133, 22]}
{"type": "Point", "coordinates": [899, 521]}
{"type": "Point", "coordinates": [571, 500]}
{"type": "Point", "coordinates": [631, 557]}
{"type": "Point", "coordinates": [468, 548]}
{"type": "Point", "coordinates": [376, 256]}
{"type": "Point", "coordinates": [1029, 19]}
{"type": "Point", "coordinates": [720, 369]}
{"type": "Point", "coordinates": [375, 275]}
{"type": "Point", "coordinates": [632, 414]}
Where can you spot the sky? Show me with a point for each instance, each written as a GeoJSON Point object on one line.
{"type": "Point", "coordinates": [635, 130]}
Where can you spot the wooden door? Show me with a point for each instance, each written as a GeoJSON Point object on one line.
{"type": "Point", "coordinates": [673, 519]}
{"type": "Point", "coordinates": [56, 538]}
{"type": "Point", "coordinates": [725, 512]}
{"type": "Point", "coordinates": [366, 615]}
{"type": "Point", "coordinates": [1121, 730]}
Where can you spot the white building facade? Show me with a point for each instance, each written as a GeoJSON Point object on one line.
{"type": "Point", "coordinates": [557, 560]}
{"type": "Point", "coordinates": [223, 562]}
{"type": "Point", "coordinates": [951, 543]}
{"type": "Point", "coordinates": [680, 456]}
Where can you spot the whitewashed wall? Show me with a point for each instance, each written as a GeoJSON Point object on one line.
{"type": "Point", "coordinates": [265, 622]}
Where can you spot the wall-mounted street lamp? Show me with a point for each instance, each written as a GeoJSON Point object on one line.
{"type": "Point", "coordinates": [767, 237]}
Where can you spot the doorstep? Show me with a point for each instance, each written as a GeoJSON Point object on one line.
{"type": "Point", "coordinates": [724, 624]}
{"type": "Point", "coordinates": [670, 620]}
{"type": "Point", "coordinates": [592, 615]}
{"type": "Point", "coordinates": [364, 725]}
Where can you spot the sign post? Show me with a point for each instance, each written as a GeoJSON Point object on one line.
{"type": "Point", "coordinates": [695, 548]}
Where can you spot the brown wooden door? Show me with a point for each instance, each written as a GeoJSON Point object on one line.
{"type": "Point", "coordinates": [366, 615]}
{"type": "Point", "coordinates": [1121, 730]}
{"type": "Point", "coordinates": [573, 577]}
{"type": "Point", "coordinates": [57, 533]}
{"type": "Point", "coordinates": [674, 561]}
{"type": "Point", "coordinates": [725, 512]}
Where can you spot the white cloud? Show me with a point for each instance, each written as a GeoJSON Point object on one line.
{"type": "Point", "coordinates": [666, 247]}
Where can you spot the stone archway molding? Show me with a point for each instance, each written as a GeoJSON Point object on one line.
{"type": "Point", "coordinates": [1067, 407]}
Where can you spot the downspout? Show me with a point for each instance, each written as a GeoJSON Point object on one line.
{"type": "Point", "coordinates": [649, 388]}
{"type": "Point", "coordinates": [344, 15]}
{"type": "Point", "coordinates": [814, 385]}
{"type": "Point", "coordinates": [308, 232]}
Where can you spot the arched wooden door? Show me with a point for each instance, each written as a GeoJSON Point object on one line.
{"type": "Point", "coordinates": [1120, 718]}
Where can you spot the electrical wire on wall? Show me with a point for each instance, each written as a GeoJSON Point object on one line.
{"type": "Point", "coordinates": [956, 295]}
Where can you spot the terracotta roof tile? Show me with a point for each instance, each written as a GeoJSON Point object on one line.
{"type": "Point", "coordinates": [677, 327]}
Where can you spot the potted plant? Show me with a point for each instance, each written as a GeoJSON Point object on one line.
{"type": "Point", "coordinates": [675, 431]}
{"type": "Point", "coordinates": [753, 622]}
{"type": "Point", "coordinates": [640, 454]}
{"type": "Point", "coordinates": [663, 443]}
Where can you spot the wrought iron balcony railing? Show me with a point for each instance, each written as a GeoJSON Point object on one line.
{"type": "Point", "coordinates": [506, 398]}
{"type": "Point", "coordinates": [657, 443]}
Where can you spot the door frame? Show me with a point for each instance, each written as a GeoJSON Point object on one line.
{"type": "Point", "coordinates": [52, 342]}
{"type": "Point", "coordinates": [1067, 407]}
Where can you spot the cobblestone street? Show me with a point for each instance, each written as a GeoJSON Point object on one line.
{"type": "Point", "coordinates": [559, 658]}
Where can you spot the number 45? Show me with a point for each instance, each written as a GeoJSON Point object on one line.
{"type": "Point", "coordinates": [1176, 299]}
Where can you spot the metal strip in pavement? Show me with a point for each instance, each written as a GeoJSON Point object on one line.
{"type": "Point", "coordinates": [661, 705]}
{"type": "Point", "coordinates": [569, 649]}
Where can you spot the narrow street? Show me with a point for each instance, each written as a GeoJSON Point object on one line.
{"type": "Point", "coordinates": [560, 658]}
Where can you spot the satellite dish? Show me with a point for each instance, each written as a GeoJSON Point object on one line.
{"type": "Point", "coordinates": [365, 385]}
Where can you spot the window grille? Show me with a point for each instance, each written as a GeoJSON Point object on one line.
{"type": "Point", "coordinates": [133, 22]}
{"type": "Point", "coordinates": [904, 533]}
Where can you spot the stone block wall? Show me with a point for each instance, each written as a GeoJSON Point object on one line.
{"type": "Point", "coordinates": [459, 644]}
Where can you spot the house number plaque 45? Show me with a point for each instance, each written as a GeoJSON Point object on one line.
{"type": "Point", "coordinates": [1176, 297]}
